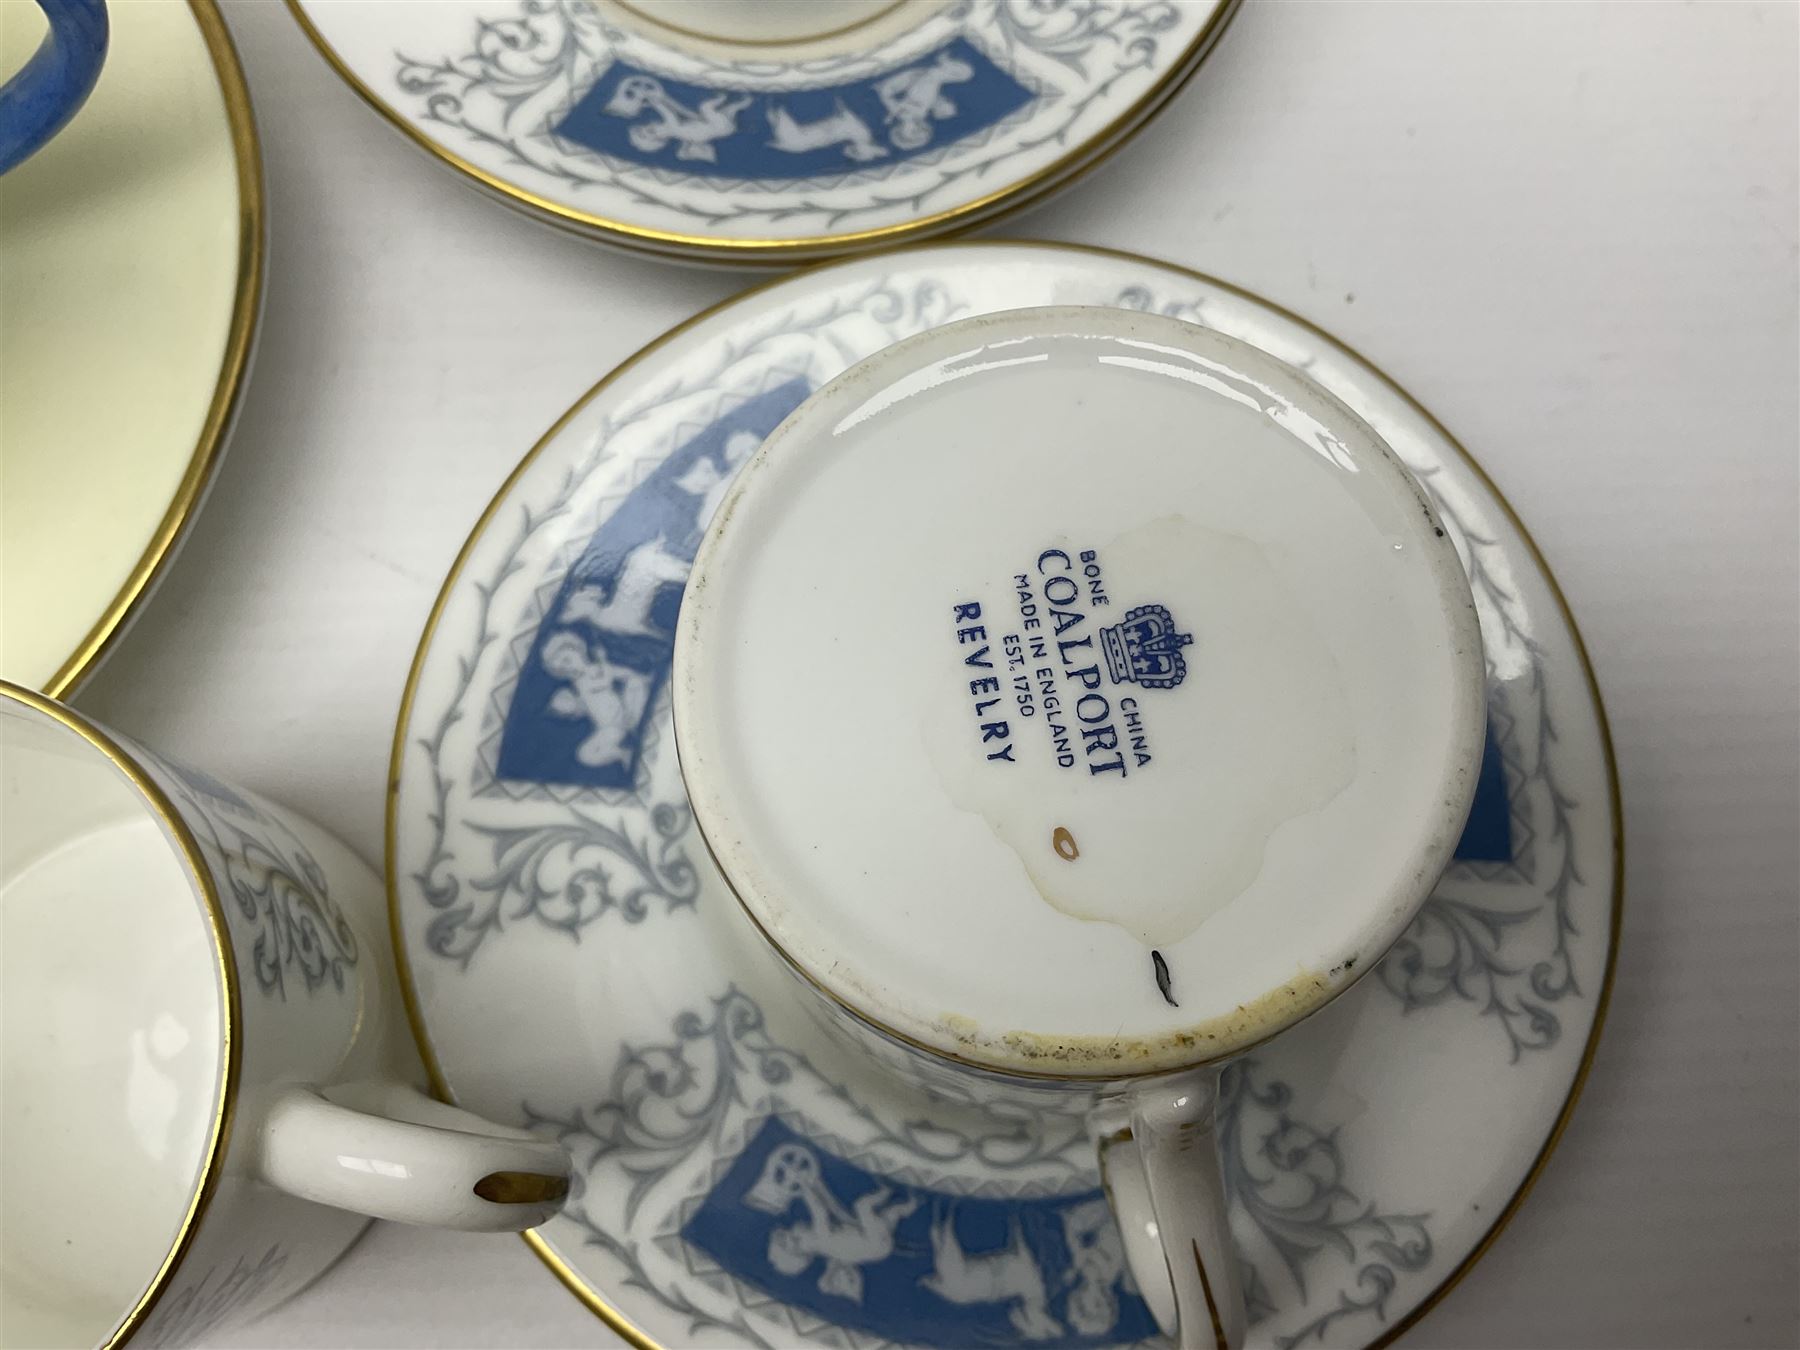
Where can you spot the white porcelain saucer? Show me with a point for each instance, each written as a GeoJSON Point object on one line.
{"type": "Point", "coordinates": [550, 899]}
{"type": "Point", "coordinates": [773, 131]}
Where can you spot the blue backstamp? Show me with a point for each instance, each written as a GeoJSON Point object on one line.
{"type": "Point", "coordinates": [943, 97]}
{"type": "Point", "coordinates": [915, 1265]}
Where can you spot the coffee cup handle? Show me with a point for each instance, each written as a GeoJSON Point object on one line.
{"type": "Point", "coordinates": [391, 1152]}
{"type": "Point", "coordinates": [1159, 1161]}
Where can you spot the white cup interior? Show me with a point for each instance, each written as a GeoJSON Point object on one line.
{"type": "Point", "coordinates": [111, 1056]}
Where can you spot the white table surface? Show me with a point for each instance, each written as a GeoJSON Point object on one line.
{"type": "Point", "coordinates": [1569, 229]}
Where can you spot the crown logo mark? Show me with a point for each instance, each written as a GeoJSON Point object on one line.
{"type": "Point", "coordinates": [1145, 648]}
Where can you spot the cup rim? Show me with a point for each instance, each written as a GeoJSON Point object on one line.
{"type": "Point", "coordinates": [1309, 993]}
{"type": "Point", "coordinates": [229, 1075]}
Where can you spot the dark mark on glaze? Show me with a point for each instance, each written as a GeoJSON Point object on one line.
{"type": "Point", "coordinates": [1162, 978]}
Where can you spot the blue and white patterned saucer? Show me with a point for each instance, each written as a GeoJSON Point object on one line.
{"type": "Point", "coordinates": [777, 130]}
{"type": "Point", "coordinates": [740, 1185]}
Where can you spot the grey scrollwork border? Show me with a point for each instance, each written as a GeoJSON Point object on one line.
{"type": "Point", "coordinates": [471, 903]}
{"type": "Point", "coordinates": [720, 1075]}
{"type": "Point", "coordinates": [1459, 949]}
{"type": "Point", "coordinates": [1107, 43]}
{"type": "Point", "coordinates": [274, 884]}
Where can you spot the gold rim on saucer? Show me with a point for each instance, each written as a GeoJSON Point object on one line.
{"type": "Point", "coordinates": [231, 1001]}
{"type": "Point", "coordinates": [572, 1279]}
{"type": "Point", "coordinates": [776, 251]}
{"type": "Point", "coordinates": [246, 307]}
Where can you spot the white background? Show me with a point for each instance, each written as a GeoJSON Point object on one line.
{"type": "Point", "coordinates": [1569, 229]}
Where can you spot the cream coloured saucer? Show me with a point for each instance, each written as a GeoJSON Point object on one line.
{"type": "Point", "coordinates": [549, 895]}
{"type": "Point", "coordinates": [131, 265]}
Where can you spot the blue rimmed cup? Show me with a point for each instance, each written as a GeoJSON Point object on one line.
{"type": "Point", "coordinates": [49, 89]}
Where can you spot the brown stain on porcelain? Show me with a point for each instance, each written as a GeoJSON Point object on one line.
{"type": "Point", "coordinates": [1183, 1047]}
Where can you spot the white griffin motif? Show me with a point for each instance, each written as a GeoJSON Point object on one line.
{"type": "Point", "coordinates": [705, 480]}
{"type": "Point", "coordinates": [646, 569]}
{"type": "Point", "coordinates": [1010, 1276]}
{"type": "Point", "coordinates": [692, 129]}
{"type": "Point", "coordinates": [913, 98]}
{"type": "Point", "coordinates": [1099, 1266]}
{"type": "Point", "coordinates": [841, 127]}
{"type": "Point", "coordinates": [847, 1238]}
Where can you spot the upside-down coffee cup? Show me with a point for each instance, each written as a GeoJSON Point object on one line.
{"type": "Point", "coordinates": [1076, 698]}
{"type": "Point", "coordinates": [206, 1086]}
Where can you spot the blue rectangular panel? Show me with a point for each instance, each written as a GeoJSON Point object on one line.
{"type": "Point", "coordinates": [588, 687]}
{"type": "Point", "coordinates": [1487, 837]}
{"type": "Point", "coordinates": [918, 1266]}
{"type": "Point", "coordinates": [942, 97]}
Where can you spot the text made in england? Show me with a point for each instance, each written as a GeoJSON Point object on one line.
{"type": "Point", "coordinates": [1051, 667]}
